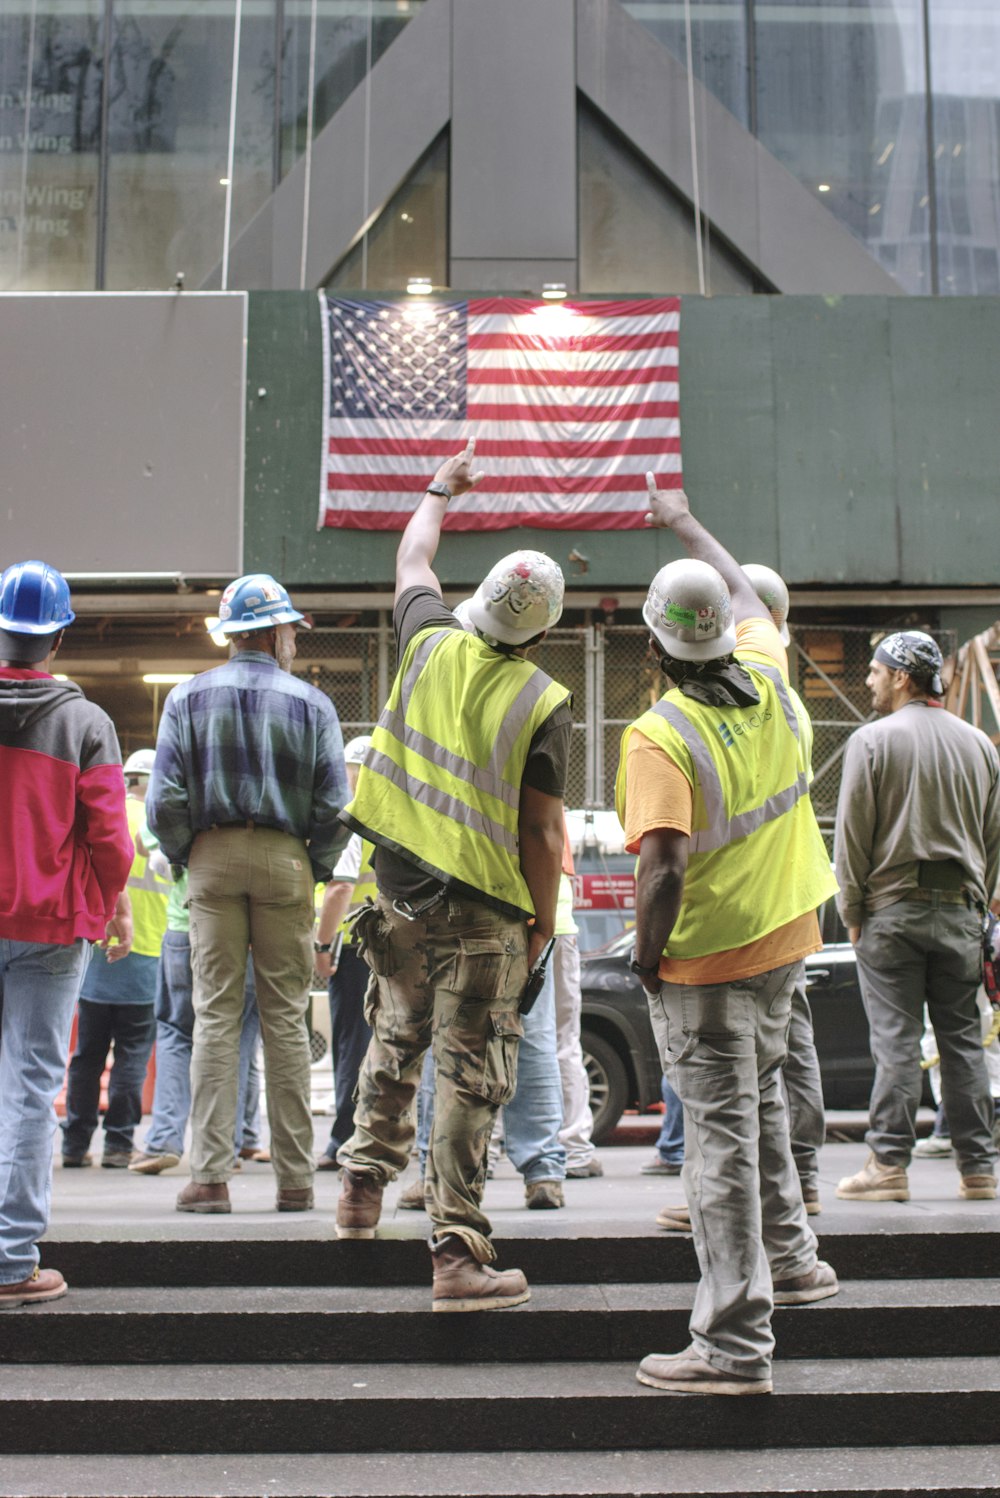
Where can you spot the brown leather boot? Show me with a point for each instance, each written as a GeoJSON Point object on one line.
{"type": "Point", "coordinates": [41, 1284]}
{"type": "Point", "coordinates": [294, 1199]}
{"type": "Point", "coordinates": [204, 1196]}
{"type": "Point", "coordinates": [360, 1205]}
{"type": "Point", "coordinates": [461, 1283]}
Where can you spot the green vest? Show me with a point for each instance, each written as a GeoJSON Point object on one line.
{"type": "Point", "coordinates": [147, 892]}
{"type": "Point", "coordinates": [757, 859]}
{"type": "Point", "coordinates": [442, 780]}
{"type": "Point", "coordinates": [365, 888]}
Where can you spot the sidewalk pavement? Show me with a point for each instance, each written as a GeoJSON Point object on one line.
{"type": "Point", "coordinates": [119, 1205]}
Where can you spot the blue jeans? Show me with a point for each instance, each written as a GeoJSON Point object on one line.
{"type": "Point", "coordinates": [174, 1029]}
{"type": "Point", "coordinates": [131, 1029]}
{"type": "Point", "coordinates": [349, 1036]}
{"type": "Point", "coordinates": [533, 1117]}
{"type": "Point", "coordinates": [670, 1145]}
{"type": "Point", "coordinates": [39, 984]}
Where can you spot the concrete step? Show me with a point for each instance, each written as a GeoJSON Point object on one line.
{"type": "Point", "coordinates": [893, 1244]}
{"type": "Point", "coordinates": [564, 1323]}
{"type": "Point", "coordinates": [370, 1407]}
{"type": "Point", "coordinates": [875, 1472]}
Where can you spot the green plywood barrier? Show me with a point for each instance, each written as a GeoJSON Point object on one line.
{"type": "Point", "coordinates": [852, 441]}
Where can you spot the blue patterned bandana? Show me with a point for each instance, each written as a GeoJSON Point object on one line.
{"type": "Point", "coordinates": [912, 651]}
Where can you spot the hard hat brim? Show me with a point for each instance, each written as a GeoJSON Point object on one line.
{"type": "Point", "coordinates": [247, 626]}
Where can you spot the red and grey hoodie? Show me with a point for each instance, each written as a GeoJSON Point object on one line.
{"type": "Point", "coordinates": [65, 847]}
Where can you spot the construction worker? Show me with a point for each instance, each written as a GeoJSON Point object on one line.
{"type": "Point", "coordinates": [713, 797]}
{"type": "Point", "coordinates": [800, 1075]}
{"type": "Point", "coordinates": [248, 781]}
{"type": "Point", "coordinates": [338, 961]}
{"type": "Point", "coordinates": [917, 851]}
{"type": "Point", "coordinates": [461, 793]}
{"type": "Point", "coordinates": [117, 1008]}
{"type": "Point", "coordinates": [66, 854]}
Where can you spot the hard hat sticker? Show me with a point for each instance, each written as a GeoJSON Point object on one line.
{"type": "Point", "coordinates": [674, 614]}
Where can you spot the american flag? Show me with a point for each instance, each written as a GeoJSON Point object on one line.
{"type": "Point", "coordinates": [569, 404]}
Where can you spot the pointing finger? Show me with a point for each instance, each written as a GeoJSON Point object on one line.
{"type": "Point", "coordinates": [651, 485]}
{"type": "Point", "coordinates": [470, 451]}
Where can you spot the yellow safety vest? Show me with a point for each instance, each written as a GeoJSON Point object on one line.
{"type": "Point", "coordinates": [442, 780]}
{"type": "Point", "coordinates": [364, 888]}
{"type": "Point", "coordinates": [757, 859]}
{"type": "Point", "coordinates": [147, 892]}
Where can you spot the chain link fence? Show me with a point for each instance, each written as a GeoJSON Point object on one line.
{"type": "Point", "coordinates": [608, 670]}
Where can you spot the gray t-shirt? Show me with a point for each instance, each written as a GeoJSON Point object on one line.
{"type": "Point", "coordinates": [919, 786]}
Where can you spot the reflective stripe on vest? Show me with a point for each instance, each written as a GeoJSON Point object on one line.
{"type": "Point", "coordinates": [442, 780]}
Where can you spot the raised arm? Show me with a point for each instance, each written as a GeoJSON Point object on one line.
{"type": "Point", "coordinates": [419, 542]}
{"type": "Point", "coordinates": [669, 509]}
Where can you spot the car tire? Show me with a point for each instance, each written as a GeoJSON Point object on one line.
{"type": "Point", "coordinates": [608, 1082]}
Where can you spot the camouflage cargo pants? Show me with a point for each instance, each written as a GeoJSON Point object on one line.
{"type": "Point", "coordinates": [450, 979]}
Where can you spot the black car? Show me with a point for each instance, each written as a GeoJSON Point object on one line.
{"type": "Point", "coordinates": [620, 1054]}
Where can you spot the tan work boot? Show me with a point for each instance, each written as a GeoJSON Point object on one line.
{"type": "Point", "coordinates": [461, 1283]}
{"type": "Point", "coordinates": [41, 1284]}
{"type": "Point", "coordinates": [204, 1196]}
{"type": "Point", "coordinates": [360, 1205]}
{"type": "Point", "coordinates": [412, 1199]}
{"type": "Point", "coordinates": [875, 1183]}
{"type": "Point", "coordinates": [818, 1283]}
{"type": "Point", "coordinates": [687, 1372]}
{"type": "Point", "coordinates": [674, 1219]}
{"type": "Point", "coordinates": [294, 1199]}
{"type": "Point", "coordinates": [978, 1188]}
{"type": "Point", "coordinates": [543, 1196]}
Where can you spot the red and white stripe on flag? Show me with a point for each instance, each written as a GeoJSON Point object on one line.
{"type": "Point", "coordinates": [570, 405]}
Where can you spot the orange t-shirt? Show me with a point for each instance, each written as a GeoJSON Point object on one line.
{"type": "Point", "coordinates": [659, 794]}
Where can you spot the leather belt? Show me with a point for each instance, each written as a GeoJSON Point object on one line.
{"type": "Point", "coordinates": [940, 897]}
{"type": "Point", "coordinates": [248, 825]}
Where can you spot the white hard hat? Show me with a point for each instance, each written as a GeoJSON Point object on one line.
{"type": "Point", "coordinates": [461, 612]}
{"type": "Point", "coordinates": [689, 611]}
{"type": "Point", "coordinates": [140, 763]}
{"type": "Point", "coordinates": [356, 749]}
{"type": "Point", "coordinates": [772, 590]}
{"type": "Point", "coordinates": [519, 597]}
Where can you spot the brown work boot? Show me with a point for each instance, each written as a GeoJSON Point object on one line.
{"type": "Point", "coordinates": [294, 1199]}
{"type": "Point", "coordinates": [412, 1199]}
{"type": "Point", "coordinates": [875, 1182]}
{"type": "Point", "coordinates": [544, 1196]}
{"type": "Point", "coordinates": [204, 1196]}
{"type": "Point", "coordinates": [978, 1188]}
{"type": "Point", "coordinates": [41, 1284]}
{"type": "Point", "coordinates": [687, 1372]}
{"type": "Point", "coordinates": [818, 1283]}
{"type": "Point", "coordinates": [674, 1219]}
{"type": "Point", "coordinates": [360, 1204]}
{"type": "Point", "coordinates": [461, 1283]}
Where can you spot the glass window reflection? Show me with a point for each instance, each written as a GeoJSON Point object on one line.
{"type": "Point", "coordinates": [50, 92]}
{"type": "Point", "coordinates": [410, 236]}
{"type": "Point", "coordinates": [719, 50]}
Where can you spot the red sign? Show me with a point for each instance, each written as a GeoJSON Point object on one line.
{"type": "Point", "coordinates": [604, 892]}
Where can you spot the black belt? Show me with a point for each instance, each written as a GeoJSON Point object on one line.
{"type": "Point", "coordinates": [248, 825]}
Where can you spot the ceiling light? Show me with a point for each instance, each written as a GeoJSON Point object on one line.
{"type": "Point", "coordinates": [223, 181]}
{"type": "Point", "coordinates": [58, 676]}
{"type": "Point", "coordinates": [554, 291]}
{"type": "Point", "coordinates": [419, 286]}
{"type": "Point", "coordinates": [875, 208]}
{"type": "Point", "coordinates": [823, 187]}
{"type": "Point", "coordinates": [886, 153]}
{"type": "Point", "coordinates": [166, 678]}
{"type": "Point", "coordinates": [214, 632]}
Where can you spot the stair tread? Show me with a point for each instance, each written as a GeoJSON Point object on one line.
{"type": "Point", "coordinates": [350, 1300]}
{"type": "Point", "coordinates": [335, 1382]}
{"type": "Point", "coordinates": [818, 1471]}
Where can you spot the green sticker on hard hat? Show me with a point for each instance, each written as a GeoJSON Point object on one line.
{"type": "Point", "coordinates": [674, 614]}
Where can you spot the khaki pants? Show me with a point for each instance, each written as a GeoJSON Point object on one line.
{"type": "Point", "coordinates": [250, 888]}
{"type": "Point", "coordinates": [450, 979]}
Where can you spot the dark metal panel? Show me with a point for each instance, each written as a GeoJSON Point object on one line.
{"type": "Point", "coordinates": [122, 427]}
{"type": "Point", "coordinates": [834, 453]}
{"type": "Point", "coordinates": [947, 413]}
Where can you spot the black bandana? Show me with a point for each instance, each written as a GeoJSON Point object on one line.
{"type": "Point", "coordinates": [721, 683]}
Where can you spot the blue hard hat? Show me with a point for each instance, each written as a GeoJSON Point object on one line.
{"type": "Point", "coordinates": [34, 600]}
{"type": "Point", "coordinates": [255, 602]}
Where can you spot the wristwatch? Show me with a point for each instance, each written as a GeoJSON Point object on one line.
{"type": "Point", "coordinates": [439, 488]}
{"type": "Point", "coordinates": [640, 971]}
{"type": "Point", "coordinates": [322, 946]}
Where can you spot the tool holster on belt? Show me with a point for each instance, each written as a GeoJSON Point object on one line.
{"type": "Point", "coordinates": [360, 923]}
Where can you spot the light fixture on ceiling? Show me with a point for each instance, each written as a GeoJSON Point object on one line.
{"type": "Point", "coordinates": [419, 286]}
{"type": "Point", "coordinates": [166, 678]}
{"type": "Point", "coordinates": [223, 181]}
{"type": "Point", "coordinates": [214, 632]}
{"type": "Point", "coordinates": [823, 187]}
{"type": "Point", "coordinates": [554, 291]}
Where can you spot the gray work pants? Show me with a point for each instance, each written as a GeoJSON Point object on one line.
{"type": "Point", "coordinates": [909, 954]}
{"type": "Point", "coordinates": [722, 1047]}
{"type": "Point", "coordinates": [803, 1087]}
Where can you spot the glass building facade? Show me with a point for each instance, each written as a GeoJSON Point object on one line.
{"type": "Point", "coordinates": [127, 155]}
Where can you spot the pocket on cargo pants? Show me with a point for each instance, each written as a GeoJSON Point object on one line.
{"type": "Point", "coordinates": [477, 1039]}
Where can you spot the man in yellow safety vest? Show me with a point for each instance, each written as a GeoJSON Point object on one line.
{"type": "Point", "coordinates": [713, 795]}
{"type": "Point", "coordinates": [461, 793]}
